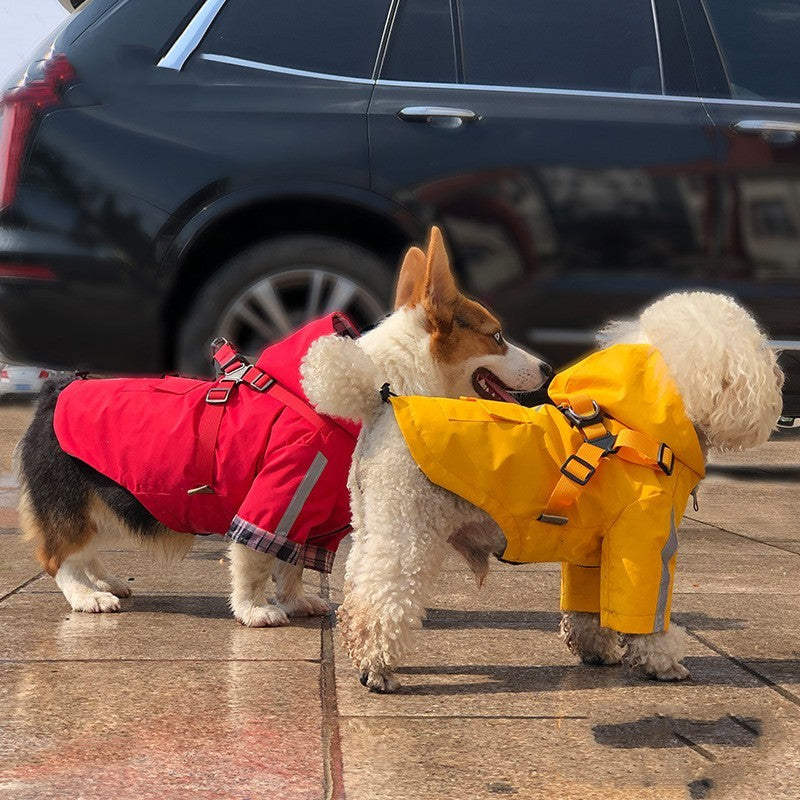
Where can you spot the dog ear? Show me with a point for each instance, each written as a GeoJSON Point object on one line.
{"type": "Point", "coordinates": [440, 293]}
{"type": "Point", "coordinates": [411, 280]}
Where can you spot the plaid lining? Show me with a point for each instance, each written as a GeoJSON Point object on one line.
{"type": "Point", "coordinates": [278, 545]}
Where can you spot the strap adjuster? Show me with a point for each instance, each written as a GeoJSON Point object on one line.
{"type": "Point", "coordinates": [665, 459]}
{"type": "Point", "coordinates": [260, 382]}
{"type": "Point", "coordinates": [219, 395]}
{"type": "Point", "coordinates": [581, 481]}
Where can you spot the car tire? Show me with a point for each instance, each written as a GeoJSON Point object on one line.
{"type": "Point", "coordinates": [271, 288]}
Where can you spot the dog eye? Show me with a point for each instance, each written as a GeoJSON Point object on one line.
{"type": "Point", "coordinates": [498, 337]}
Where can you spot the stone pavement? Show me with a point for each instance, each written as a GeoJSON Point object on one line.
{"type": "Point", "coordinates": [172, 699]}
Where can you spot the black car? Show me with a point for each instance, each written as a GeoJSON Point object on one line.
{"type": "Point", "coordinates": [176, 170]}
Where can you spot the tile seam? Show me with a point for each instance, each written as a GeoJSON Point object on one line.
{"type": "Point", "coordinates": [332, 761]}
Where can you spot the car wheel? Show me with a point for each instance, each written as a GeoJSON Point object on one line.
{"type": "Point", "coordinates": [272, 288]}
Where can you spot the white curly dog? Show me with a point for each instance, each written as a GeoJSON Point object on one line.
{"type": "Point", "coordinates": [730, 385]}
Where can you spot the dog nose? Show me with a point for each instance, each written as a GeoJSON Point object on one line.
{"type": "Point", "coordinates": [547, 370]}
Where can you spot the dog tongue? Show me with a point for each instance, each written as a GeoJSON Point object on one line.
{"type": "Point", "coordinates": [500, 388]}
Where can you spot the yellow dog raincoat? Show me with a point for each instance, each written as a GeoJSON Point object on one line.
{"type": "Point", "coordinates": [599, 484]}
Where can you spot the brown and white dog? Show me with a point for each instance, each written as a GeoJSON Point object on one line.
{"type": "Point", "coordinates": [437, 342]}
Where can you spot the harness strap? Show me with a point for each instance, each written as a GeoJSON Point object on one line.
{"type": "Point", "coordinates": [584, 414]}
{"type": "Point", "coordinates": [236, 369]}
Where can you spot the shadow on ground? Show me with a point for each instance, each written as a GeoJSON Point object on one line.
{"type": "Point", "coordinates": [502, 678]}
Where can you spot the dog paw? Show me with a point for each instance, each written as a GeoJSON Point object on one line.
{"type": "Point", "coordinates": [263, 617]}
{"type": "Point", "coordinates": [97, 603]}
{"type": "Point", "coordinates": [305, 605]}
{"type": "Point", "coordinates": [113, 585]}
{"type": "Point", "coordinates": [379, 682]}
{"type": "Point", "coordinates": [674, 672]}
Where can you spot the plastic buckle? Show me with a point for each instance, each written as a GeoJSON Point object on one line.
{"type": "Point", "coordinates": [605, 443]}
{"type": "Point", "coordinates": [552, 519]}
{"type": "Point", "coordinates": [580, 481]}
{"type": "Point", "coordinates": [261, 382]}
{"type": "Point", "coordinates": [666, 466]}
{"type": "Point", "coordinates": [219, 395]}
{"type": "Point", "coordinates": [582, 420]}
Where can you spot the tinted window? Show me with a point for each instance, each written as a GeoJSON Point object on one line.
{"type": "Point", "coordinates": [339, 37]}
{"type": "Point", "coordinates": [421, 46]}
{"type": "Point", "coordinates": [760, 44]}
{"type": "Point", "coordinates": [565, 44]}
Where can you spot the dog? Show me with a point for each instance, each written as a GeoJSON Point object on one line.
{"type": "Point", "coordinates": [700, 348]}
{"type": "Point", "coordinates": [87, 480]}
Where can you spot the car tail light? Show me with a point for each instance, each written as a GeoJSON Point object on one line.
{"type": "Point", "coordinates": [44, 374]}
{"type": "Point", "coordinates": [20, 107]}
{"type": "Point", "coordinates": [4, 374]}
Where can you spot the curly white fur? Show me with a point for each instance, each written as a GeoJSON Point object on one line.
{"type": "Point", "coordinates": [727, 375]}
{"type": "Point", "coordinates": [659, 655]}
{"type": "Point", "coordinates": [584, 636]}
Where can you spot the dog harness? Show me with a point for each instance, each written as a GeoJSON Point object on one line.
{"type": "Point", "coordinates": [599, 481]}
{"type": "Point", "coordinates": [245, 456]}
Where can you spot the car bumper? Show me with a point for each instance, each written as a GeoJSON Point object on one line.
{"type": "Point", "coordinates": [70, 306]}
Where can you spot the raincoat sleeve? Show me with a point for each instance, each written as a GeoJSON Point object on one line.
{"type": "Point", "coordinates": [289, 511]}
{"type": "Point", "coordinates": [638, 566]}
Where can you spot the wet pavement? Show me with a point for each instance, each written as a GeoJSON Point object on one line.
{"type": "Point", "coordinates": [172, 699]}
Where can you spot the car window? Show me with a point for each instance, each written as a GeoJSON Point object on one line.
{"type": "Point", "coordinates": [760, 44]}
{"type": "Point", "coordinates": [336, 37]}
{"type": "Point", "coordinates": [568, 44]}
{"type": "Point", "coordinates": [421, 47]}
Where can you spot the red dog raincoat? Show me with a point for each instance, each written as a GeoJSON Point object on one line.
{"type": "Point", "coordinates": [245, 456]}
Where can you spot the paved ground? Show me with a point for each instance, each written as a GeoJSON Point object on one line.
{"type": "Point", "coordinates": [171, 699]}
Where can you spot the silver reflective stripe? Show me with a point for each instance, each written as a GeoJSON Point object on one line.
{"type": "Point", "coordinates": [670, 548]}
{"type": "Point", "coordinates": [192, 35]}
{"type": "Point", "coordinates": [301, 495]}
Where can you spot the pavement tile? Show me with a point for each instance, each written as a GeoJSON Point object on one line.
{"type": "Point", "coordinates": [135, 731]}
{"type": "Point", "coordinates": [617, 755]}
{"type": "Point", "coordinates": [17, 563]}
{"type": "Point", "coordinates": [760, 511]}
{"type": "Point", "coordinates": [174, 627]}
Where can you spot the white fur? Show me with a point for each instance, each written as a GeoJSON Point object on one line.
{"type": "Point", "coordinates": [591, 642]}
{"type": "Point", "coordinates": [724, 370]}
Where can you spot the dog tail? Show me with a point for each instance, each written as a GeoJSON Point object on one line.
{"type": "Point", "coordinates": [340, 379]}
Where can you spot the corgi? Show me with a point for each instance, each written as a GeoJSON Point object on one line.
{"type": "Point", "coordinates": [437, 341]}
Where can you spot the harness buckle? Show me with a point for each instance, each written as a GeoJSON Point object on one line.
{"type": "Point", "coordinates": [219, 395]}
{"type": "Point", "coordinates": [261, 382]}
{"type": "Point", "coordinates": [581, 481]}
{"type": "Point", "coordinates": [582, 420]}
{"type": "Point", "coordinates": [606, 443]}
{"type": "Point", "coordinates": [665, 459]}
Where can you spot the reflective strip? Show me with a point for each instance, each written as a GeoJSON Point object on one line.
{"type": "Point", "coordinates": [670, 548]}
{"type": "Point", "coordinates": [192, 35]}
{"type": "Point", "coordinates": [301, 495]}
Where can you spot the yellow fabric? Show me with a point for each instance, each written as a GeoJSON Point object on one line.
{"type": "Point", "coordinates": [506, 459]}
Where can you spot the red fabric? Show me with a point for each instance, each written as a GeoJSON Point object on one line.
{"type": "Point", "coordinates": [143, 434]}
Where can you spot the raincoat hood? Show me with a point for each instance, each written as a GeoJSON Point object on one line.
{"type": "Point", "coordinates": [632, 384]}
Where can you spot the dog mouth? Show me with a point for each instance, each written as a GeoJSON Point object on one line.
{"type": "Point", "coordinates": [490, 387]}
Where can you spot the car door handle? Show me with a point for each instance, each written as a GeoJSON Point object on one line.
{"type": "Point", "coordinates": [438, 116]}
{"type": "Point", "coordinates": [773, 131]}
